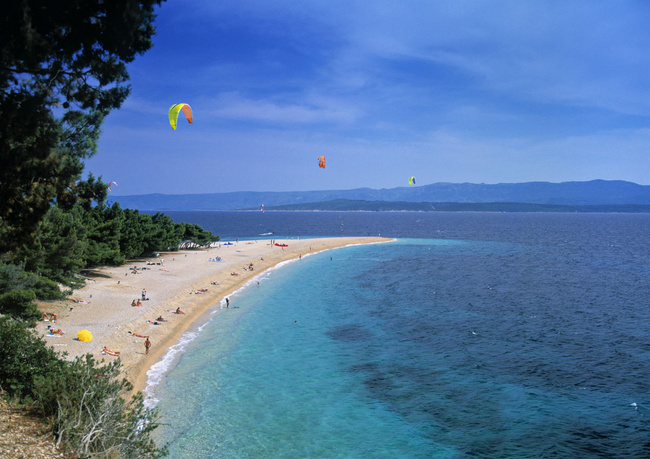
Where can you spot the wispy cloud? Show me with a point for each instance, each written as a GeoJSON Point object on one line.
{"type": "Point", "coordinates": [460, 90]}
{"type": "Point", "coordinates": [311, 110]}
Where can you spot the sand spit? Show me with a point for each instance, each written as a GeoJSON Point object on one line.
{"type": "Point", "coordinates": [194, 281]}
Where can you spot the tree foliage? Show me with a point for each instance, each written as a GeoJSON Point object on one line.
{"type": "Point", "coordinates": [88, 412]}
{"type": "Point", "coordinates": [23, 356]}
{"type": "Point", "coordinates": [68, 241]}
{"type": "Point", "coordinates": [62, 69]}
{"type": "Point", "coordinates": [58, 247]}
{"type": "Point", "coordinates": [20, 303]}
{"type": "Point", "coordinates": [193, 236]}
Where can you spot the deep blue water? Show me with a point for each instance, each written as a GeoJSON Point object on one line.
{"type": "Point", "coordinates": [473, 335]}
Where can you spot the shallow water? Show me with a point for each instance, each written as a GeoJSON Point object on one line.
{"type": "Point", "coordinates": [479, 335]}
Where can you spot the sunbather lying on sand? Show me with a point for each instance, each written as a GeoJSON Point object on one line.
{"type": "Point", "coordinates": [139, 336]}
{"type": "Point", "coordinates": [109, 352]}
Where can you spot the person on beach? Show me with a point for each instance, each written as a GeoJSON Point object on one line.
{"type": "Point", "coordinates": [45, 317]}
{"type": "Point", "coordinates": [138, 303]}
{"type": "Point", "coordinates": [110, 352]}
{"type": "Point", "coordinates": [227, 303]}
{"type": "Point", "coordinates": [55, 331]}
{"type": "Point", "coordinates": [134, 303]}
{"type": "Point", "coordinates": [139, 336]}
{"type": "Point", "coordinates": [144, 294]}
{"type": "Point", "coordinates": [178, 311]}
{"type": "Point", "coordinates": [147, 345]}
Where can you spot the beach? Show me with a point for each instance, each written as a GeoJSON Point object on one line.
{"type": "Point", "coordinates": [196, 281]}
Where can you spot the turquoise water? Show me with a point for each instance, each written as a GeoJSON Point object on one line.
{"type": "Point", "coordinates": [257, 384]}
{"type": "Point", "coordinates": [532, 342]}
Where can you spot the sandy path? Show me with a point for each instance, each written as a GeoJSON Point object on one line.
{"type": "Point", "coordinates": [105, 308]}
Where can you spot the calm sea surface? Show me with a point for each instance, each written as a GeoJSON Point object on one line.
{"type": "Point", "coordinates": [473, 335]}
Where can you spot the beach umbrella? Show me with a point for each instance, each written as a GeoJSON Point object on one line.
{"type": "Point", "coordinates": [84, 335]}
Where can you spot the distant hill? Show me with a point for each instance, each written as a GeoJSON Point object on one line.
{"type": "Point", "coordinates": [592, 193]}
{"type": "Point", "coordinates": [379, 206]}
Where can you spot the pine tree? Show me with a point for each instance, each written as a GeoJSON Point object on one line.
{"type": "Point", "coordinates": [62, 69]}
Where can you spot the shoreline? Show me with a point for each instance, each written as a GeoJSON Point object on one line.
{"type": "Point", "coordinates": [172, 280]}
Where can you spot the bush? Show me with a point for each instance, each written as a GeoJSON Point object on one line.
{"type": "Point", "coordinates": [20, 303]}
{"type": "Point", "coordinates": [85, 405]}
{"type": "Point", "coordinates": [23, 357]}
{"type": "Point", "coordinates": [47, 289]}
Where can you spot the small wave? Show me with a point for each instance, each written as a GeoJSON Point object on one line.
{"type": "Point", "coordinates": [159, 369]}
{"type": "Point", "coordinates": [266, 234]}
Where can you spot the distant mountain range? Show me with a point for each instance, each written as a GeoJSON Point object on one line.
{"type": "Point", "coordinates": [595, 195]}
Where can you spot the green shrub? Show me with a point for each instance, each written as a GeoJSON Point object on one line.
{"type": "Point", "coordinates": [87, 410]}
{"type": "Point", "coordinates": [20, 303]}
{"type": "Point", "coordinates": [46, 289]}
{"type": "Point", "coordinates": [23, 357]}
{"type": "Point", "coordinates": [83, 401]}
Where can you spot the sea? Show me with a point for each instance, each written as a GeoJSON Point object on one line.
{"type": "Point", "coordinates": [471, 335]}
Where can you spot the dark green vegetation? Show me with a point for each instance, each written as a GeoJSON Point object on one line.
{"type": "Point", "coordinates": [62, 70]}
{"type": "Point", "coordinates": [82, 401]}
{"type": "Point", "coordinates": [388, 206]}
{"type": "Point", "coordinates": [68, 241]}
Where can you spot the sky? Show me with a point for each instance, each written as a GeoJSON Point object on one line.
{"type": "Point", "coordinates": [445, 91]}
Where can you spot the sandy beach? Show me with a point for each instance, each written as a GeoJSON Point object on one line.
{"type": "Point", "coordinates": [190, 280]}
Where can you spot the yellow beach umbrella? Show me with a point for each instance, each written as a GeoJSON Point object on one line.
{"type": "Point", "coordinates": [84, 335]}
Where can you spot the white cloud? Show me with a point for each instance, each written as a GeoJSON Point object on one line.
{"type": "Point", "coordinates": [310, 110]}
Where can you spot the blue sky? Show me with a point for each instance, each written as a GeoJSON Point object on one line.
{"type": "Point", "coordinates": [446, 91]}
